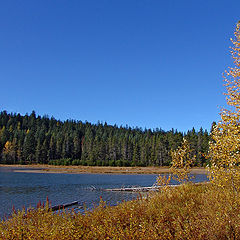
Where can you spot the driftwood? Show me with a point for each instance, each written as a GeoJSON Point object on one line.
{"type": "Point", "coordinates": [132, 189]}
{"type": "Point", "coordinates": [144, 189]}
{"type": "Point", "coordinates": [136, 189]}
{"type": "Point", "coordinates": [61, 206]}
{"type": "Point", "coordinates": [122, 189]}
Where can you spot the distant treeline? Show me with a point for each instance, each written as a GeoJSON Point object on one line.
{"type": "Point", "coordinates": [33, 139]}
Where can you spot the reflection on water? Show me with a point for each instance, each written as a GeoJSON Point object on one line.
{"type": "Point", "coordinates": [20, 189]}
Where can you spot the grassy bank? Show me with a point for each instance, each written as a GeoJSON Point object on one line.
{"type": "Point", "coordinates": [186, 212]}
{"type": "Point", "coordinates": [41, 168]}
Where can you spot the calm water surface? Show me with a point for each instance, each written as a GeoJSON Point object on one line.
{"type": "Point", "coordinates": [20, 189]}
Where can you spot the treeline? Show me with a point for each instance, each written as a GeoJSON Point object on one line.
{"type": "Point", "coordinates": [33, 139]}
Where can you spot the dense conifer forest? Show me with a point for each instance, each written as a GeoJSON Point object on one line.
{"type": "Point", "coordinates": [34, 139]}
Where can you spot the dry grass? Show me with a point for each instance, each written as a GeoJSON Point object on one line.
{"type": "Point", "coordinates": [186, 212]}
{"type": "Point", "coordinates": [96, 170]}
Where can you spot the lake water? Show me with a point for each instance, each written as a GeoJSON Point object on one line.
{"type": "Point", "coordinates": [20, 189]}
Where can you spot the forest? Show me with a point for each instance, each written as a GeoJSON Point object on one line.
{"type": "Point", "coordinates": [32, 139]}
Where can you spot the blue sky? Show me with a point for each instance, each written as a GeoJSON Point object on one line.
{"type": "Point", "coordinates": [145, 63]}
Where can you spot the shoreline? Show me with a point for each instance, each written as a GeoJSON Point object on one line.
{"type": "Point", "coordinates": [43, 168]}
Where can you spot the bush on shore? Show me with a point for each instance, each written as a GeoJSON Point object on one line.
{"type": "Point", "coordinates": [189, 211]}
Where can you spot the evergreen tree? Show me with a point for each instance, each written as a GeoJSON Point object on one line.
{"type": "Point", "coordinates": [29, 147]}
{"type": "Point", "coordinates": [36, 139]}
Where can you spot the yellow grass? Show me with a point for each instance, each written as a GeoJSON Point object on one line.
{"type": "Point", "coordinates": [97, 170]}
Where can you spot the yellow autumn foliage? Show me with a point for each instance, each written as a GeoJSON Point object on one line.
{"type": "Point", "coordinates": [185, 212]}
{"type": "Point", "coordinates": [182, 161]}
{"type": "Point", "coordinates": [224, 149]}
{"type": "Point", "coordinates": [8, 147]}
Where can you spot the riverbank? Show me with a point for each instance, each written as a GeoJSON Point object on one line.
{"type": "Point", "coordinates": [187, 212]}
{"type": "Point", "coordinates": [41, 168]}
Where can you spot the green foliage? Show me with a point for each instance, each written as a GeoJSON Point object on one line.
{"type": "Point", "coordinates": [43, 140]}
{"type": "Point", "coordinates": [63, 162]}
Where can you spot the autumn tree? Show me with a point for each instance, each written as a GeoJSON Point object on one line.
{"type": "Point", "coordinates": [224, 149]}
{"type": "Point", "coordinates": [9, 152]}
{"type": "Point", "coordinates": [183, 159]}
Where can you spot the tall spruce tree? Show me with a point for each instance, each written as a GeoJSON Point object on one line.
{"type": "Point", "coordinates": [46, 140]}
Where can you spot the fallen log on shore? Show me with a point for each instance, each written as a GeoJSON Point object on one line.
{"type": "Point", "coordinates": [132, 189]}
{"type": "Point", "coordinates": [144, 189]}
{"type": "Point", "coordinates": [61, 206]}
{"type": "Point", "coordinates": [136, 189]}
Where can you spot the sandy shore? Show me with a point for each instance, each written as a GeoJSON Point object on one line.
{"type": "Point", "coordinates": [94, 170]}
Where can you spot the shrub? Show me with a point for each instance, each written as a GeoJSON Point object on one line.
{"type": "Point", "coordinates": [185, 212]}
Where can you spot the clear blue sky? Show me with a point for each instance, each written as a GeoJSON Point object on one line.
{"type": "Point", "coordinates": [142, 63]}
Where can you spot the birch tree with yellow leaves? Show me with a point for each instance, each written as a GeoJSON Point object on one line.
{"type": "Point", "coordinates": [224, 149]}
{"type": "Point", "coordinates": [182, 162]}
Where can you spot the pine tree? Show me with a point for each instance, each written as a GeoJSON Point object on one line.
{"type": "Point", "coordinates": [40, 140]}
{"type": "Point", "coordinates": [29, 147]}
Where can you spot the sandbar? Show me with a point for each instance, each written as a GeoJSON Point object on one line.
{"type": "Point", "coordinates": [42, 168]}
